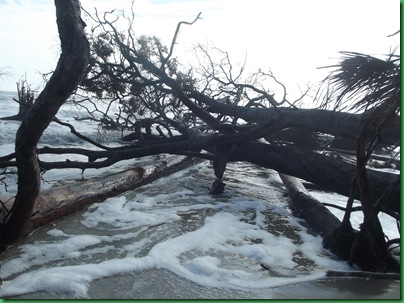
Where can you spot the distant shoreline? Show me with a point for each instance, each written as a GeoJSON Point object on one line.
{"type": "Point", "coordinates": [8, 92]}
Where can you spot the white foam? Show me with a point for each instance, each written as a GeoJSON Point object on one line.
{"type": "Point", "coordinates": [70, 279]}
{"type": "Point", "coordinates": [227, 240]}
{"type": "Point", "coordinates": [224, 252]}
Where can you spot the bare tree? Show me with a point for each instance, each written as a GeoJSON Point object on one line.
{"type": "Point", "coordinates": [26, 96]}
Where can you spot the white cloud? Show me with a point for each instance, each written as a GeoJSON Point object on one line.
{"type": "Point", "coordinates": [292, 37]}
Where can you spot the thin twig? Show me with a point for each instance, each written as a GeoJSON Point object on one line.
{"type": "Point", "coordinates": [73, 130]}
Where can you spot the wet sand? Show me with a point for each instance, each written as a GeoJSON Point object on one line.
{"type": "Point", "coordinates": [162, 284]}
{"type": "Point", "coordinates": [340, 288]}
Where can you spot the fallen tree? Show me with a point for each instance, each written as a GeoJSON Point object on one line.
{"type": "Point", "coordinates": [57, 202]}
{"type": "Point", "coordinates": [214, 112]}
{"type": "Point", "coordinates": [340, 239]}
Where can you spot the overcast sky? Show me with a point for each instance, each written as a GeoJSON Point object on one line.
{"type": "Point", "coordinates": [291, 37]}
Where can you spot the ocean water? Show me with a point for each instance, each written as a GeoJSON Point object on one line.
{"type": "Point", "coordinates": [167, 239]}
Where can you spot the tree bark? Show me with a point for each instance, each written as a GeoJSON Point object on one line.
{"type": "Point", "coordinates": [331, 122]}
{"type": "Point", "coordinates": [57, 202]}
{"type": "Point", "coordinates": [317, 216]}
{"type": "Point", "coordinates": [65, 79]}
{"type": "Point", "coordinates": [327, 172]}
{"type": "Point", "coordinates": [337, 239]}
{"type": "Point", "coordinates": [343, 241]}
{"type": "Point", "coordinates": [370, 250]}
{"type": "Point", "coordinates": [332, 174]}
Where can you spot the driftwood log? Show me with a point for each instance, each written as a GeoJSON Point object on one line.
{"type": "Point", "coordinates": [317, 216]}
{"type": "Point", "coordinates": [55, 203]}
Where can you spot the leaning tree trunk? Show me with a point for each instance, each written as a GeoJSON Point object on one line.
{"type": "Point", "coordinates": [65, 79]}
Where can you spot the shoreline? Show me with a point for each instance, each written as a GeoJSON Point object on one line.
{"type": "Point", "coordinates": [163, 284]}
{"type": "Point", "coordinates": [340, 288]}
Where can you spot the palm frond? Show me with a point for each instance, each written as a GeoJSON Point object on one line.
{"type": "Point", "coordinates": [361, 81]}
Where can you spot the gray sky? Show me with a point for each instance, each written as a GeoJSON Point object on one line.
{"type": "Point", "coordinates": [291, 37]}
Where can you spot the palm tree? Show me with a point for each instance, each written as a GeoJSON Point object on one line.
{"type": "Point", "coordinates": [363, 83]}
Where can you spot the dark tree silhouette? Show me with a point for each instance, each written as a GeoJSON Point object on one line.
{"type": "Point", "coordinates": [67, 75]}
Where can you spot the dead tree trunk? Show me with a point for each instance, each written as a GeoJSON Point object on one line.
{"type": "Point", "coordinates": [332, 174]}
{"type": "Point", "coordinates": [65, 79]}
{"type": "Point", "coordinates": [320, 219]}
{"type": "Point", "coordinates": [57, 202]}
{"type": "Point", "coordinates": [317, 216]}
{"type": "Point", "coordinates": [25, 101]}
{"type": "Point", "coordinates": [343, 241]}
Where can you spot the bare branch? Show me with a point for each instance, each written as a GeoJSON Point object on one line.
{"type": "Point", "coordinates": [176, 36]}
